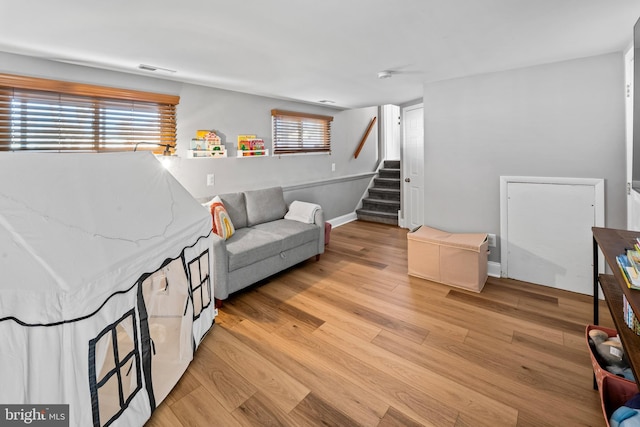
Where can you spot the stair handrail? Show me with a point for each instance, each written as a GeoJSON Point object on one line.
{"type": "Point", "coordinates": [364, 138]}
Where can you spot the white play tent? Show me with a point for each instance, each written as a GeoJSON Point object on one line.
{"type": "Point", "coordinates": [105, 291]}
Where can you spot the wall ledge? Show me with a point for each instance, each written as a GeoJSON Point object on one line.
{"type": "Point", "coordinates": [328, 181]}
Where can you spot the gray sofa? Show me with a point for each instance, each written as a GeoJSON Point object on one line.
{"type": "Point", "coordinates": [264, 243]}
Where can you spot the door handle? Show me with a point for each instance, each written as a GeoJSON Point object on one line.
{"type": "Point", "coordinates": [407, 180]}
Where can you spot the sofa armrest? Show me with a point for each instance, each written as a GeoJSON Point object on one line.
{"type": "Point", "coordinates": [220, 268]}
{"type": "Point", "coordinates": [318, 219]}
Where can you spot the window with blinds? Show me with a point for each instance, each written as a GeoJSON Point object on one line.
{"type": "Point", "coordinates": [49, 115]}
{"type": "Point", "coordinates": [300, 133]}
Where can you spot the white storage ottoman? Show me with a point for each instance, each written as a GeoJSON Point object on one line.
{"type": "Point", "coordinates": [456, 259]}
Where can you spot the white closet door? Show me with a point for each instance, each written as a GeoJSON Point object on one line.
{"type": "Point", "coordinates": [413, 167]}
{"type": "Point", "coordinates": [548, 233]}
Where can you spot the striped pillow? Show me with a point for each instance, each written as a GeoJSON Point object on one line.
{"type": "Point", "coordinates": [222, 224]}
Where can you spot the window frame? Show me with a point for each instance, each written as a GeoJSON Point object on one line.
{"type": "Point", "coordinates": [319, 129]}
{"type": "Point", "coordinates": [101, 97]}
{"type": "Point", "coordinates": [120, 361]}
{"type": "Point", "coordinates": [200, 285]}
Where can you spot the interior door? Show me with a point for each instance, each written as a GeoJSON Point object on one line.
{"type": "Point", "coordinates": [413, 166]}
{"type": "Point", "coordinates": [632, 198]}
{"type": "Point", "coordinates": [548, 231]}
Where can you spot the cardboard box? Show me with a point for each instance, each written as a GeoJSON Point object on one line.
{"type": "Point", "coordinates": [456, 259]}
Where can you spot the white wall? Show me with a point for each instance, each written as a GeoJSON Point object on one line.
{"type": "Point", "coordinates": [390, 132]}
{"type": "Point", "coordinates": [564, 119]}
{"type": "Point", "coordinates": [232, 113]}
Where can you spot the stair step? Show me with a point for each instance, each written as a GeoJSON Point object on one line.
{"type": "Point", "coordinates": [386, 182]}
{"type": "Point", "coordinates": [381, 205]}
{"type": "Point", "coordinates": [373, 216]}
{"type": "Point", "coordinates": [382, 201]}
{"type": "Point", "coordinates": [389, 173]}
{"type": "Point", "coordinates": [376, 213]}
{"type": "Point", "coordinates": [385, 193]}
{"type": "Point", "coordinates": [392, 164]}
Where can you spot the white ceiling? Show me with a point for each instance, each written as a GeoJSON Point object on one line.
{"type": "Point", "coordinates": [317, 50]}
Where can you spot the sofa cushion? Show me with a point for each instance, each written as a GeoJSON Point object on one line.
{"type": "Point", "coordinates": [264, 205]}
{"type": "Point", "coordinates": [248, 246]}
{"type": "Point", "coordinates": [291, 233]}
{"type": "Point", "coordinates": [236, 207]}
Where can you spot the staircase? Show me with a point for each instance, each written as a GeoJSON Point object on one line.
{"type": "Point", "coordinates": [383, 201]}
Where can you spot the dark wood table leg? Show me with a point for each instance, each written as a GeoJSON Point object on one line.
{"type": "Point", "coordinates": [596, 301]}
{"type": "Point", "coordinates": [595, 283]}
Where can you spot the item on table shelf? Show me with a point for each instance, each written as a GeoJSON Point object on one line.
{"type": "Point", "coordinates": [630, 273]}
{"type": "Point", "coordinates": [629, 316]}
{"type": "Point", "coordinates": [633, 255]}
{"type": "Point", "coordinates": [611, 353]}
{"type": "Point", "coordinates": [609, 348]}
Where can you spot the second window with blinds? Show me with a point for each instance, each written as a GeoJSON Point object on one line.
{"type": "Point", "coordinates": [295, 132]}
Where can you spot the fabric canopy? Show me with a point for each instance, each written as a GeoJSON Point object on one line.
{"type": "Point", "coordinates": [70, 221]}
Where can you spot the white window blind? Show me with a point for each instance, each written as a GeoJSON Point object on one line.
{"type": "Point", "coordinates": [300, 132]}
{"type": "Point", "coordinates": [45, 115]}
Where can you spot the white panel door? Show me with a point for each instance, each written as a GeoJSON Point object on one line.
{"type": "Point", "coordinates": [549, 234]}
{"type": "Point", "coordinates": [413, 167]}
{"type": "Point", "coordinates": [633, 206]}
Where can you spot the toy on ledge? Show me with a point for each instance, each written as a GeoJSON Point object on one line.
{"type": "Point", "coordinates": [207, 144]}
{"type": "Point", "coordinates": [250, 145]}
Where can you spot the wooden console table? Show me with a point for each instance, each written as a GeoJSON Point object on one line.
{"type": "Point", "coordinates": [613, 243]}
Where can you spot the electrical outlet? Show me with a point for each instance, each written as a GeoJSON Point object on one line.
{"type": "Point", "coordinates": [210, 180]}
{"type": "Point", "coordinates": [492, 240]}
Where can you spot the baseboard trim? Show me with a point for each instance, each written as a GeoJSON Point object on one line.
{"type": "Point", "coordinates": [342, 220]}
{"type": "Point", "coordinates": [494, 269]}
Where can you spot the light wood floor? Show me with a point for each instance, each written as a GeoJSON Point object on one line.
{"type": "Point", "coordinates": [352, 340]}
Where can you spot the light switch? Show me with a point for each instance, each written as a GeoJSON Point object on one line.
{"type": "Point", "coordinates": [210, 180]}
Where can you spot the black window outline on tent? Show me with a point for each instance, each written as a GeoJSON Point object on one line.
{"type": "Point", "coordinates": [120, 363]}
{"type": "Point", "coordinates": [200, 286]}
